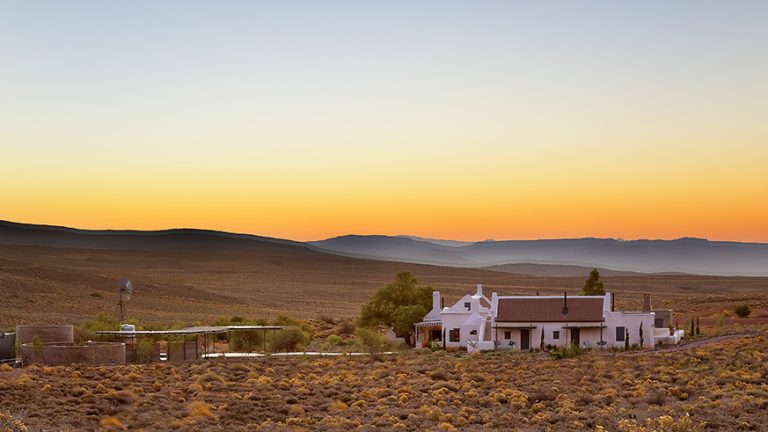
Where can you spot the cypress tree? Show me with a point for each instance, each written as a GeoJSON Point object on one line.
{"type": "Point", "coordinates": [626, 340]}
{"type": "Point", "coordinates": [698, 329]}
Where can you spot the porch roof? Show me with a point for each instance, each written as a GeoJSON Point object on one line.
{"type": "Point", "coordinates": [514, 326]}
{"type": "Point", "coordinates": [429, 324]}
{"type": "Point", "coordinates": [584, 325]}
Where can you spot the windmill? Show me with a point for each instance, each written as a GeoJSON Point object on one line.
{"type": "Point", "coordinates": [124, 291]}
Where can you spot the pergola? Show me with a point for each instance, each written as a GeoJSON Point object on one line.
{"type": "Point", "coordinates": [206, 332]}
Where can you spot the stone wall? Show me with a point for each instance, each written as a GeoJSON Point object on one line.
{"type": "Point", "coordinates": [51, 354]}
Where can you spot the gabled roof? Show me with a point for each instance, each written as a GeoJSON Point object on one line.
{"type": "Point", "coordinates": [549, 309]}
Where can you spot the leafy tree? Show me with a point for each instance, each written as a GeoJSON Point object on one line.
{"type": "Point", "coordinates": [398, 306]}
{"type": "Point", "coordinates": [742, 311]}
{"type": "Point", "coordinates": [593, 285]}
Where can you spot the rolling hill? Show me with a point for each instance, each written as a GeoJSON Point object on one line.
{"type": "Point", "coordinates": [62, 275]}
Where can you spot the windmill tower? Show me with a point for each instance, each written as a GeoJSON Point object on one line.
{"type": "Point", "coordinates": [124, 292]}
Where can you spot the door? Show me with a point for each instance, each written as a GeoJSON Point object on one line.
{"type": "Point", "coordinates": [575, 336]}
{"type": "Point", "coordinates": [525, 339]}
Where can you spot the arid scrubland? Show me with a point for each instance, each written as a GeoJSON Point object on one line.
{"type": "Point", "coordinates": [716, 386]}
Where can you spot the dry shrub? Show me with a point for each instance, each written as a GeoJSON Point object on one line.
{"type": "Point", "coordinates": [209, 377]}
{"type": "Point", "coordinates": [338, 405]}
{"type": "Point", "coordinates": [296, 409]}
{"type": "Point", "coordinates": [111, 423]}
{"type": "Point", "coordinates": [655, 398]}
{"type": "Point", "coordinates": [200, 409]}
{"type": "Point", "coordinates": [5, 367]}
{"type": "Point", "coordinates": [11, 423]}
{"type": "Point", "coordinates": [122, 397]}
{"type": "Point", "coordinates": [438, 375]}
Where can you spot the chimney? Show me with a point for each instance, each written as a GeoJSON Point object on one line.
{"type": "Point", "coordinates": [647, 303]}
{"type": "Point", "coordinates": [436, 300]}
{"type": "Point", "coordinates": [565, 303]}
{"type": "Point", "coordinates": [480, 289]}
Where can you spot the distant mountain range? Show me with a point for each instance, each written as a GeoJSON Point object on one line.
{"type": "Point", "coordinates": [685, 255]}
{"type": "Point", "coordinates": [562, 257]}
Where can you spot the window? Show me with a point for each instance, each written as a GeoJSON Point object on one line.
{"type": "Point", "coordinates": [556, 334]}
{"type": "Point", "coordinates": [507, 335]}
{"type": "Point", "coordinates": [467, 305]}
{"type": "Point", "coordinates": [658, 323]}
{"type": "Point", "coordinates": [473, 332]}
{"type": "Point", "coordinates": [454, 335]}
{"type": "Point", "coordinates": [620, 333]}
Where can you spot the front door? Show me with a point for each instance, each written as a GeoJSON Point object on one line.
{"type": "Point", "coordinates": [575, 337]}
{"type": "Point", "coordinates": [525, 339]}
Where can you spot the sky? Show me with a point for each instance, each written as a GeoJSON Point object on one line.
{"type": "Point", "coordinates": [445, 119]}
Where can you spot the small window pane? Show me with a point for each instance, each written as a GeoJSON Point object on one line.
{"type": "Point", "coordinates": [507, 335]}
{"type": "Point", "coordinates": [468, 305]}
{"type": "Point", "coordinates": [620, 333]}
{"type": "Point", "coordinates": [556, 335]}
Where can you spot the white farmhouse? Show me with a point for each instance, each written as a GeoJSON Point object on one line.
{"type": "Point", "coordinates": [523, 322]}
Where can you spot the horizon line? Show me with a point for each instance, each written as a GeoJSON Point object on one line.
{"type": "Point", "coordinates": [409, 236]}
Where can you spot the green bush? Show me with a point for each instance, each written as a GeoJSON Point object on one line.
{"type": "Point", "coordinates": [371, 340]}
{"type": "Point", "coordinates": [565, 352]}
{"type": "Point", "coordinates": [288, 340]}
{"type": "Point", "coordinates": [241, 341]}
{"type": "Point", "coordinates": [742, 311]}
{"type": "Point", "coordinates": [334, 340]}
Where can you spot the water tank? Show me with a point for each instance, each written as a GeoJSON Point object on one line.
{"type": "Point", "coordinates": [127, 327]}
{"type": "Point", "coordinates": [45, 333]}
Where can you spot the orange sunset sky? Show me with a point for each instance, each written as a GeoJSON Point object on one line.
{"type": "Point", "coordinates": [456, 120]}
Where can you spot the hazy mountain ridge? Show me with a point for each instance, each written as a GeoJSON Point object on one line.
{"type": "Point", "coordinates": [536, 257]}
{"type": "Point", "coordinates": [685, 255]}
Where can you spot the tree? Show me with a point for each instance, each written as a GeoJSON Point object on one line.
{"type": "Point", "coordinates": [541, 344]}
{"type": "Point", "coordinates": [693, 327]}
{"type": "Point", "coordinates": [593, 285]}
{"type": "Point", "coordinates": [398, 306]}
{"type": "Point", "coordinates": [698, 329]}
{"type": "Point", "coordinates": [742, 311]}
{"type": "Point", "coordinates": [642, 340]}
{"type": "Point", "coordinates": [626, 339]}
